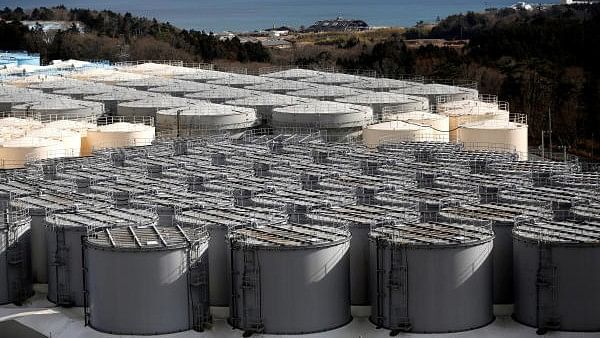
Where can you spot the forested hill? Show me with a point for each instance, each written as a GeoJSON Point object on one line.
{"type": "Point", "coordinates": [541, 62]}
{"type": "Point", "coordinates": [115, 37]}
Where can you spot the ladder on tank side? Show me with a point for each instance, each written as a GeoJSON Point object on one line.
{"type": "Point", "coordinates": [198, 289]}
{"type": "Point", "coordinates": [63, 273]}
{"type": "Point", "coordinates": [16, 268]}
{"type": "Point", "coordinates": [392, 286]}
{"type": "Point", "coordinates": [547, 291]}
{"type": "Point", "coordinates": [251, 293]}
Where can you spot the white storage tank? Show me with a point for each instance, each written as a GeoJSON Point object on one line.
{"type": "Point", "coordinates": [145, 83]}
{"type": "Point", "coordinates": [79, 92]}
{"type": "Point", "coordinates": [282, 273]}
{"type": "Point", "coordinates": [71, 140]}
{"type": "Point", "coordinates": [327, 93]}
{"type": "Point", "coordinates": [556, 275]}
{"type": "Point", "coordinates": [202, 75]}
{"type": "Point", "coordinates": [147, 280]}
{"type": "Point", "coordinates": [382, 84]}
{"type": "Point", "coordinates": [61, 107]}
{"type": "Point", "coordinates": [221, 94]}
{"type": "Point", "coordinates": [265, 103]}
{"type": "Point", "coordinates": [495, 135]}
{"type": "Point", "coordinates": [462, 112]}
{"type": "Point", "coordinates": [17, 152]}
{"type": "Point", "coordinates": [415, 126]}
{"type": "Point", "coordinates": [119, 134]}
{"type": "Point", "coordinates": [389, 106]}
{"type": "Point", "coordinates": [240, 80]}
{"type": "Point", "coordinates": [433, 91]}
{"type": "Point", "coordinates": [431, 277]}
{"type": "Point", "coordinates": [293, 74]}
{"type": "Point", "coordinates": [338, 120]}
{"type": "Point", "coordinates": [149, 106]}
{"type": "Point", "coordinates": [112, 99]}
{"type": "Point", "coordinates": [51, 85]}
{"type": "Point", "coordinates": [205, 118]}
{"type": "Point", "coordinates": [181, 88]}
{"type": "Point", "coordinates": [333, 79]}
{"type": "Point", "coordinates": [280, 86]}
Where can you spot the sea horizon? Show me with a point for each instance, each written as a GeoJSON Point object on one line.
{"type": "Point", "coordinates": [252, 15]}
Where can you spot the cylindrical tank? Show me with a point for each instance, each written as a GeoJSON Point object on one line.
{"type": "Point", "coordinates": [282, 273]}
{"type": "Point", "coordinates": [336, 79]}
{"type": "Point", "coordinates": [388, 106]}
{"type": "Point", "coordinates": [15, 260]}
{"type": "Point", "coordinates": [463, 112]}
{"type": "Point", "coordinates": [145, 280]}
{"type": "Point", "coordinates": [240, 80]}
{"type": "Point", "coordinates": [380, 133]}
{"type": "Point", "coordinates": [61, 107]}
{"type": "Point", "coordinates": [120, 134]}
{"type": "Point", "coordinates": [338, 120]}
{"type": "Point", "coordinates": [293, 74]}
{"type": "Point", "coordinates": [556, 275]}
{"type": "Point", "coordinates": [265, 103]}
{"type": "Point", "coordinates": [112, 99]}
{"type": "Point", "coordinates": [217, 221]}
{"type": "Point", "coordinates": [221, 94]}
{"type": "Point", "coordinates": [64, 234]}
{"type": "Point", "coordinates": [203, 75]}
{"type": "Point", "coordinates": [327, 93]}
{"type": "Point", "coordinates": [431, 277]}
{"type": "Point", "coordinates": [180, 88]}
{"type": "Point", "coordinates": [205, 117]}
{"type": "Point", "coordinates": [149, 106]}
{"type": "Point", "coordinates": [17, 152]}
{"type": "Point", "coordinates": [280, 86]}
{"type": "Point", "coordinates": [360, 219]}
{"type": "Point", "coordinates": [495, 135]}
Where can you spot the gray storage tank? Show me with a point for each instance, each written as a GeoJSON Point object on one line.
{"type": "Point", "coordinates": [145, 280]}
{"type": "Point", "coordinates": [289, 278]}
{"type": "Point", "coordinates": [360, 218]}
{"type": "Point", "coordinates": [15, 263]}
{"type": "Point", "coordinates": [556, 275]}
{"type": "Point", "coordinates": [218, 221]}
{"type": "Point", "coordinates": [431, 277]}
{"type": "Point", "coordinates": [64, 239]}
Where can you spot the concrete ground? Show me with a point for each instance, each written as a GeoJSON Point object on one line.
{"type": "Point", "coordinates": [42, 316]}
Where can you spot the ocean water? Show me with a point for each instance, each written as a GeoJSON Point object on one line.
{"type": "Point", "coordinates": [250, 15]}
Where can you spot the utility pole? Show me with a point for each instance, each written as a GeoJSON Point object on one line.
{"type": "Point", "coordinates": [543, 146]}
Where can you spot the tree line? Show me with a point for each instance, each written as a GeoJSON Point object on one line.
{"type": "Point", "coordinates": [117, 37]}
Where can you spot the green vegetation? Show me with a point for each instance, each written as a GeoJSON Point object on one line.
{"type": "Point", "coordinates": [117, 37]}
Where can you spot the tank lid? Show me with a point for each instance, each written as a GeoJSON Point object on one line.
{"type": "Point", "coordinates": [95, 218]}
{"type": "Point", "coordinates": [142, 238]}
{"type": "Point", "coordinates": [429, 234]}
{"type": "Point", "coordinates": [288, 235]}
{"type": "Point", "coordinates": [231, 216]}
{"type": "Point", "coordinates": [362, 215]}
{"type": "Point", "coordinates": [559, 232]}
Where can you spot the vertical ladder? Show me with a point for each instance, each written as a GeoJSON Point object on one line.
{"type": "Point", "coordinates": [17, 270]}
{"type": "Point", "coordinates": [547, 291]}
{"type": "Point", "coordinates": [86, 308]}
{"type": "Point", "coordinates": [251, 292]}
{"type": "Point", "coordinates": [398, 290]}
{"type": "Point", "coordinates": [61, 264]}
{"type": "Point", "coordinates": [378, 318]}
{"type": "Point", "coordinates": [198, 290]}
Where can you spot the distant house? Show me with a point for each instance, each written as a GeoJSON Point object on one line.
{"type": "Point", "coordinates": [338, 24]}
{"type": "Point", "coordinates": [276, 43]}
{"type": "Point", "coordinates": [579, 2]}
{"type": "Point", "coordinates": [52, 26]}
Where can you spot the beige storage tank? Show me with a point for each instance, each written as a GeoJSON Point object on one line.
{"type": "Point", "coordinates": [81, 127]}
{"type": "Point", "coordinates": [495, 135]}
{"type": "Point", "coordinates": [71, 140]}
{"type": "Point", "coordinates": [120, 134]}
{"type": "Point", "coordinates": [419, 127]}
{"type": "Point", "coordinates": [470, 111]}
{"type": "Point", "coordinates": [17, 152]}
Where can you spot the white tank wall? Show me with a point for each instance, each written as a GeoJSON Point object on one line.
{"type": "Point", "coordinates": [498, 136]}
{"type": "Point", "coordinates": [117, 135]}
